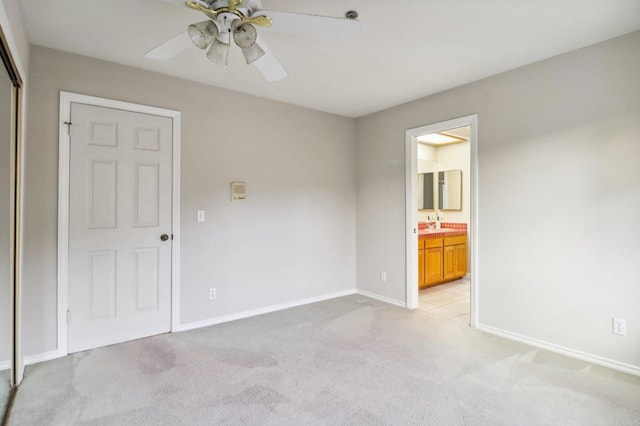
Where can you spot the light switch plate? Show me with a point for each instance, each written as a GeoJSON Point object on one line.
{"type": "Point", "coordinates": [619, 326]}
{"type": "Point", "coordinates": [200, 215]}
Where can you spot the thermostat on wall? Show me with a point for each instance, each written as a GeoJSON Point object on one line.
{"type": "Point", "coordinates": [238, 191]}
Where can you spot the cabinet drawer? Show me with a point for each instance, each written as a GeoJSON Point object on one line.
{"type": "Point", "coordinates": [432, 242]}
{"type": "Point", "coordinates": [421, 243]}
{"type": "Point", "coordinates": [450, 241]}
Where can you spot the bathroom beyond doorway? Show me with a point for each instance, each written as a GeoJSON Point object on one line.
{"type": "Point", "coordinates": [444, 210]}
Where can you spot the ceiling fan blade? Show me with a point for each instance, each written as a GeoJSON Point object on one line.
{"type": "Point", "coordinates": [313, 26]}
{"type": "Point", "coordinates": [171, 47]}
{"type": "Point", "coordinates": [268, 65]}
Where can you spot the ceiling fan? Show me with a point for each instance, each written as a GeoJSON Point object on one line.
{"type": "Point", "coordinates": [237, 20]}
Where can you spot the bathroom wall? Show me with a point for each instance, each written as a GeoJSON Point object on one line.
{"type": "Point", "coordinates": [457, 156]}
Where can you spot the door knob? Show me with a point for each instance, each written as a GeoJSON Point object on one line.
{"type": "Point", "coordinates": [164, 237]}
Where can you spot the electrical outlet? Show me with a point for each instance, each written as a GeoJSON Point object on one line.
{"type": "Point", "coordinates": [383, 276]}
{"type": "Point", "coordinates": [212, 293]}
{"type": "Point", "coordinates": [619, 326]}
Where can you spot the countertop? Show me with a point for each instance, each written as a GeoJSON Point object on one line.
{"type": "Point", "coordinates": [442, 232]}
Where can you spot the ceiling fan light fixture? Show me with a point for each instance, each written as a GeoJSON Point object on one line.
{"type": "Point", "coordinates": [253, 53]}
{"type": "Point", "coordinates": [218, 52]}
{"type": "Point", "coordinates": [244, 34]}
{"type": "Point", "coordinates": [203, 33]}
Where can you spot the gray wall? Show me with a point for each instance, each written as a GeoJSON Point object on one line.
{"type": "Point", "coordinates": [293, 238]}
{"type": "Point", "coordinates": [559, 196]}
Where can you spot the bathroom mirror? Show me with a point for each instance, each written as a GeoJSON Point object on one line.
{"type": "Point", "coordinates": [450, 190]}
{"type": "Point", "coordinates": [425, 191]}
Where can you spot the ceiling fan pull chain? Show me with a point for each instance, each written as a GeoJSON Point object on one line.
{"type": "Point", "coordinates": [228, 44]}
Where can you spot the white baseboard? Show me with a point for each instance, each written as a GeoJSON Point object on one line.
{"type": "Point", "coordinates": [573, 353]}
{"type": "Point", "coordinates": [5, 365]}
{"type": "Point", "coordinates": [261, 311]}
{"type": "Point", "coordinates": [45, 356]}
{"type": "Point", "coordinates": [384, 299]}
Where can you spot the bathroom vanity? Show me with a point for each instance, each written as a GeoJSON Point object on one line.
{"type": "Point", "coordinates": [442, 256]}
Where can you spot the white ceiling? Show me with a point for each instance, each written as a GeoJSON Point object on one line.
{"type": "Point", "coordinates": [408, 49]}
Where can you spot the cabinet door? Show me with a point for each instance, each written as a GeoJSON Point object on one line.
{"type": "Point", "coordinates": [433, 265]}
{"type": "Point", "coordinates": [461, 260]}
{"type": "Point", "coordinates": [449, 262]}
{"type": "Point", "coordinates": [421, 268]}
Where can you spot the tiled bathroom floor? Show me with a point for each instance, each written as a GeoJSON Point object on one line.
{"type": "Point", "coordinates": [447, 301]}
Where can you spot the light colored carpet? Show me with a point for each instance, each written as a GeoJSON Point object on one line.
{"type": "Point", "coordinates": [351, 360]}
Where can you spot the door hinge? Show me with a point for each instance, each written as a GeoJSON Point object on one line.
{"type": "Point", "coordinates": [68, 123]}
{"type": "Point", "coordinates": [68, 315]}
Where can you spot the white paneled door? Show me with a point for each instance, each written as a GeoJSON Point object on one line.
{"type": "Point", "coordinates": [119, 226]}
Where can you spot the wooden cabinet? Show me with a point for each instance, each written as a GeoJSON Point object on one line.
{"type": "Point", "coordinates": [461, 259]}
{"type": "Point", "coordinates": [441, 259]}
{"type": "Point", "coordinates": [449, 254]}
{"type": "Point", "coordinates": [429, 261]}
{"type": "Point", "coordinates": [421, 266]}
{"type": "Point", "coordinates": [433, 266]}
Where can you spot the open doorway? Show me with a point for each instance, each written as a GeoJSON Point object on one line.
{"type": "Point", "coordinates": [443, 165]}
{"type": "Point", "coordinates": [441, 218]}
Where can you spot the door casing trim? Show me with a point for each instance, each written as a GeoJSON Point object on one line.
{"type": "Point", "coordinates": [66, 99]}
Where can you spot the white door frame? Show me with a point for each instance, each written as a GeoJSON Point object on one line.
{"type": "Point", "coordinates": [66, 99]}
{"type": "Point", "coordinates": [411, 184]}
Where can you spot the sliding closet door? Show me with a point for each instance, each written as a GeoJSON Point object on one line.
{"type": "Point", "coordinates": [7, 230]}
